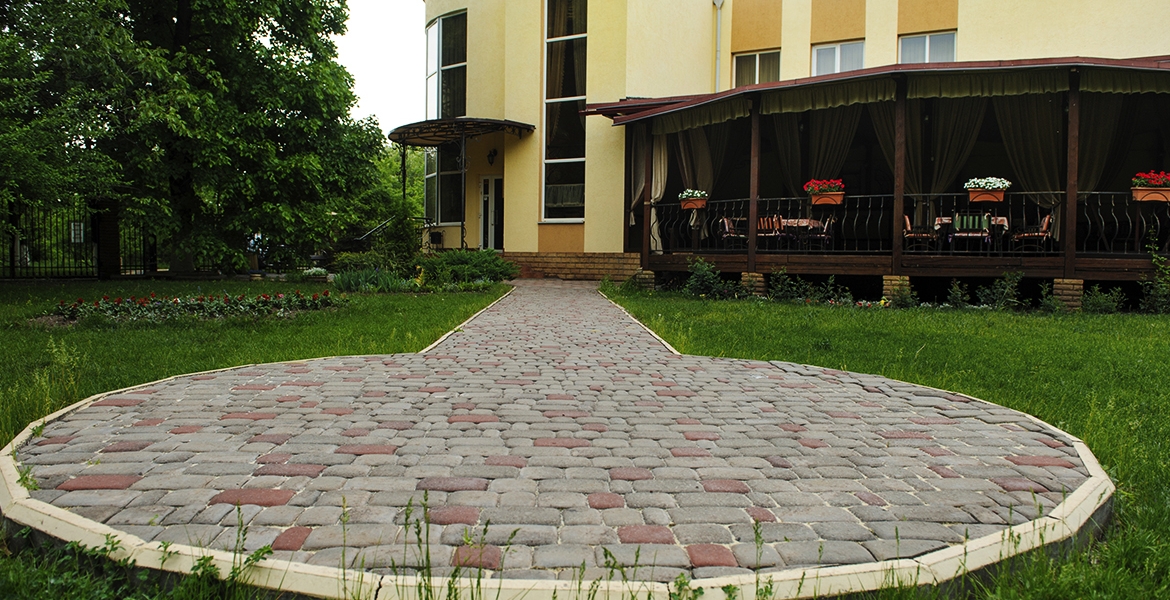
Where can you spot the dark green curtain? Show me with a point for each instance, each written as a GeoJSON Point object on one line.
{"type": "Point", "coordinates": [1032, 128]}
{"type": "Point", "coordinates": [787, 126]}
{"type": "Point", "coordinates": [1100, 121]}
{"type": "Point", "coordinates": [957, 122]}
{"type": "Point", "coordinates": [883, 117]}
{"type": "Point", "coordinates": [831, 134]}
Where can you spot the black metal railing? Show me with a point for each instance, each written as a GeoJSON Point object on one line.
{"type": "Point", "coordinates": [1113, 223]}
{"type": "Point", "coordinates": [48, 242]}
{"type": "Point", "coordinates": [860, 224]}
{"type": "Point", "coordinates": [1023, 223]}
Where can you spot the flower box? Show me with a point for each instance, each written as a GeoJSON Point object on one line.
{"type": "Point", "coordinates": [982, 195]}
{"type": "Point", "coordinates": [827, 198]}
{"type": "Point", "coordinates": [1151, 194]}
{"type": "Point", "coordinates": [693, 203]}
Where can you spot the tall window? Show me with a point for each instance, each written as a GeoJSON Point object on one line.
{"type": "Point", "coordinates": [446, 98]}
{"type": "Point", "coordinates": [564, 99]}
{"type": "Point", "coordinates": [934, 47]}
{"type": "Point", "coordinates": [763, 67]}
{"type": "Point", "coordinates": [838, 58]}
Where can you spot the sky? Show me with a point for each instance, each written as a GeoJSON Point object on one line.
{"type": "Point", "coordinates": [385, 51]}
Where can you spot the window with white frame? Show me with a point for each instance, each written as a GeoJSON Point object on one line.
{"type": "Point", "coordinates": [564, 99]}
{"type": "Point", "coordinates": [837, 58]}
{"type": "Point", "coordinates": [927, 48]}
{"type": "Point", "coordinates": [758, 67]}
{"type": "Point", "coordinates": [446, 99]}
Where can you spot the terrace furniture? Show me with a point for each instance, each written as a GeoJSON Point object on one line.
{"type": "Point", "coordinates": [771, 230]}
{"type": "Point", "coordinates": [820, 238]}
{"type": "Point", "coordinates": [732, 232]}
{"type": "Point", "coordinates": [974, 225]}
{"type": "Point", "coordinates": [918, 238]}
{"type": "Point", "coordinates": [1037, 239]}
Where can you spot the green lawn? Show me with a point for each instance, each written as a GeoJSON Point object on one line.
{"type": "Point", "coordinates": [1105, 379]}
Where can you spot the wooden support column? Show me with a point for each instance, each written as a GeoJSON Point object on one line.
{"type": "Point", "coordinates": [754, 193]}
{"type": "Point", "coordinates": [646, 200]}
{"type": "Point", "coordinates": [1073, 131]}
{"type": "Point", "coordinates": [899, 172]}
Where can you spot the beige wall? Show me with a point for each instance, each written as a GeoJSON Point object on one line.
{"type": "Point", "coordinates": [836, 20]}
{"type": "Point", "coordinates": [881, 32]}
{"type": "Point", "coordinates": [755, 24]}
{"type": "Point", "coordinates": [795, 55]}
{"type": "Point", "coordinates": [1003, 30]}
{"type": "Point", "coordinates": [562, 237]}
{"type": "Point", "coordinates": [920, 16]}
{"type": "Point", "coordinates": [523, 102]}
{"type": "Point", "coordinates": [670, 47]}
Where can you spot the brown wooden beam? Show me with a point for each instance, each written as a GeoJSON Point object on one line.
{"type": "Point", "coordinates": [754, 193]}
{"type": "Point", "coordinates": [649, 146]}
{"type": "Point", "coordinates": [899, 171]}
{"type": "Point", "coordinates": [1073, 133]}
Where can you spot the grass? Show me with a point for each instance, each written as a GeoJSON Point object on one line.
{"type": "Point", "coordinates": [1102, 378]}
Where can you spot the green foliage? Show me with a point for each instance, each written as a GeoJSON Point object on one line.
{"type": "Point", "coordinates": [371, 281]}
{"type": "Point", "coordinates": [1096, 301]}
{"type": "Point", "coordinates": [1156, 291]}
{"type": "Point", "coordinates": [705, 282]}
{"type": "Point", "coordinates": [465, 266]}
{"type": "Point", "coordinates": [784, 287]}
{"type": "Point", "coordinates": [957, 294]}
{"type": "Point", "coordinates": [362, 261]}
{"type": "Point", "coordinates": [155, 309]}
{"type": "Point", "coordinates": [903, 297]}
{"type": "Point", "coordinates": [1003, 293]}
{"type": "Point", "coordinates": [1049, 303]}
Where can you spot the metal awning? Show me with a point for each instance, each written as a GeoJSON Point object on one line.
{"type": "Point", "coordinates": [436, 132]}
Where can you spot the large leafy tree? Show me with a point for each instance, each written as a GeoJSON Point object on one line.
{"type": "Point", "coordinates": [218, 124]}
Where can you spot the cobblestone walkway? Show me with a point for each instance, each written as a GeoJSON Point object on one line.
{"type": "Point", "coordinates": [580, 438]}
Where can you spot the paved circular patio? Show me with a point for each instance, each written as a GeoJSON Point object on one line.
{"type": "Point", "coordinates": [553, 431]}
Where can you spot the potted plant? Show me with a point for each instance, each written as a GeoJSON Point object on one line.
{"type": "Point", "coordinates": [1151, 187]}
{"type": "Point", "coordinates": [317, 275]}
{"type": "Point", "coordinates": [986, 189]}
{"type": "Point", "coordinates": [825, 191]}
{"type": "Point", "coordinates": [692, 199]}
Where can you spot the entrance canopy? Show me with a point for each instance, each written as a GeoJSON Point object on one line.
{"type": "Point", "coordinates": [437, 132]}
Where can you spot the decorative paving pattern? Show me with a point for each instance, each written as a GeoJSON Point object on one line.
{"type": "Point", "coordinates": [576, 434]}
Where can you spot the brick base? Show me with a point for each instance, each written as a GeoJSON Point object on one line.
{"type": "Point", "coordinates": [891, 283]}
{"type": "Point", "coordinates": [1069, 291]}
{"type": "Point", "coordinates": [575, 265]}
{"type": "Point", "coordinates": [754, 283]}
{"type": "Point", "coordinates": [644, 279]}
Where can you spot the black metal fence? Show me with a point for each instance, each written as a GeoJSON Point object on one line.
{"type": "Point", "coordinates": [48, 242]}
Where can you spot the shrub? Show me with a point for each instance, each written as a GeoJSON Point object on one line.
{"type": "Point", "coordinates": [371, 281]}
{"type": "Point", "coordinates": [705, 282]}
{"type": "Point", "coordinates": [1048, 302]}
{"type": "Point", "coordinates": [156, 308]}
{"type": "Point", "coordinates": [361, 261]}
{"type": "Point", "coordinates": [957, 295]}
{"type": "Point", "coordinates": [1156, 291]}
{"type": "Point", "coordinates": [1099, 302]}
{"type": "Point", "coordinates": [786, 287]}
{"type": "Point", "coordinates": [904, 297]}
{"type": "Point", "coordinates": [1003, 294]}
{"type": "Point", "coordinates": [465, 266]}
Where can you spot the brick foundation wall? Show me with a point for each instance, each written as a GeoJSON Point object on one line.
{"type": "Point", "coordinates": [575, 265]}
{"type": "Point", "coordinates": [1069, 291]}
{"type": "Point", "coordinates": [891, 283]}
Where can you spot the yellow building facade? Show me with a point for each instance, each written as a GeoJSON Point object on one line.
{"type": "Point", "coordinates": [523, 194]}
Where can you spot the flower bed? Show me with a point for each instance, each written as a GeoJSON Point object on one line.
{"type": "Point", "coordinates": [156, 308]}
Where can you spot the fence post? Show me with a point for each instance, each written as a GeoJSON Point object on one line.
{"type": "Point", "coordinates": [106, 231]}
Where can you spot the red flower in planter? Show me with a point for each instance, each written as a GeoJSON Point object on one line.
{"type": "Point", "coordinates": [820, 186]}
{"type": "Point", "coordinates": [1152, 179]}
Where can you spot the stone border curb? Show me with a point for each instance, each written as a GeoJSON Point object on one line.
{"type": "Point", "coordinates": [1088, 505]}
{"type": "Point", "coordinates": [459, 327]}
{"type": "Point", "coordinates": [642, 325]}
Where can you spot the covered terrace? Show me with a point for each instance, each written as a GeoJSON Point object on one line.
{"type": "Point", "coordinates": [1068, 133]}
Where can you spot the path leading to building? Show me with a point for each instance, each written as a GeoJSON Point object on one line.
{"type": "Point", "coordinates": [576, 434]}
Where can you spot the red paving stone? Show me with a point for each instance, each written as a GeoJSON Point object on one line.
{"type": "Point", "coordinates": [257, 496]}
{"type": "Point", "coordinates": [870, 498]}
{"type": "Point", "coordinates": [762, 515]}
{"type": "Point", "coordinates": [598, 427]}
{"type": "Point", "coordinates": [561, 442]}
{"type": "Point", "coordinates": [1018, 484]}
{"type": "Point", "coordinates": [250, 416]}
{"type": "Point", "coordinates": [99, 482]}
{"type": "Point", "coordinates": [449, 515]}
{"type": "Point", "coordinates": [363, 449]}
{"type": "Point", "coordinates": [289, 470]}
{"type": "Point", "coordinates": [630, 474]}
{"type": "Point", "coordinates": [453, 484]}
{"type": "Point", "coordinates": [710, 555]}
{"type": "Point", "coordinates": [793, 428]}
{"type": "Point", "coordinates": [180, 430]}
{"type": "Point", "coordinates": [62, 439]}
{"type": "Point", "coordinates": [645, 534]}
{"type": "Point", "coordinates": [148, 422]}
{"type": "Point", "coordinates": [936, 451]}
{"type": "Point", "coordinates": [603, 500]}
{"type": "Point", "coordinates": [341, 412]}
{"type": "Point", "coordinates": [944, 472]}
{"type": "Point", "coordinates": [121, 402]}
{"type": "Point", "coordinates": [374, 394]}
{"type": "Point", "coordinates": [812, 443]}
{"type": "Point", "coordinates": [473, 419]}
{"type": "Point", "coordinates": [695, 436]}
{"type": "Point", "coordinates": [779, 462]}
{"type": "Point", "coordinates": [289, 399]}
{"type": "Point", "coordinates": [477, 557]}
{"type": "Point", "coordinates": [728, 486]}
{"type": "Point", "coordinates": [356, 432]}
{"type": "Point", "coordinates": [291, 539]}
{"type": "Point", "coordinates": [1051, 443]}
{"type": "Point", "coordinates": [276, 457]}
{"type": "Point", "coordinates": [1040, 461]}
